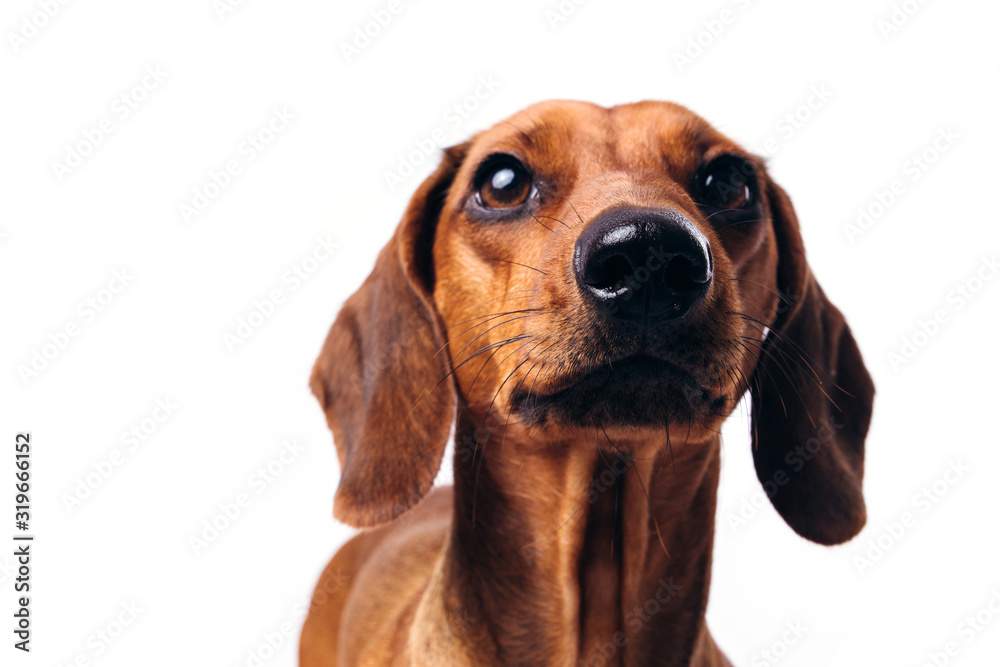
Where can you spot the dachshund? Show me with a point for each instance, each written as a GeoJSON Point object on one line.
{"type": "Point", "coordinates": [578, 297]}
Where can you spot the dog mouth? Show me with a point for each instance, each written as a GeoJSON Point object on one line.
{"type": "Point", "coordinates": [640, 390]}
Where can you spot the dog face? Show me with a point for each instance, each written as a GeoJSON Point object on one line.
{"type": "Point", "coordinates": [578, 268]}
{"type": "Point", "coordinates": [589, 266]}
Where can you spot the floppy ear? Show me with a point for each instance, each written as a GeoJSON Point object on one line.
{"type": "Point", "coordinates": [379, 375]}
{"type": "Point", "coordinates": [812, 400]}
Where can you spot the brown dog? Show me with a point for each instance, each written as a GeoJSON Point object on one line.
{"type": "Point", "coordinates": [584, 294]}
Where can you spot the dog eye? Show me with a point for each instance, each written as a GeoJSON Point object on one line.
{"type": "Point", "coordinates": [726, 183]}
{"type": "Point", "coordinates": [503, 182]}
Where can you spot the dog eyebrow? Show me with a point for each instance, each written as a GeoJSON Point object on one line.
{"type": "Point", "coordinates": [527, 137]}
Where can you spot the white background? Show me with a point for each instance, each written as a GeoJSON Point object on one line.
{"type": "Point", "coordinates": [162, 337]}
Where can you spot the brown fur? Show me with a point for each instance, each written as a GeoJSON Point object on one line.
{"type": "Point", "coordinates": [568, 540]}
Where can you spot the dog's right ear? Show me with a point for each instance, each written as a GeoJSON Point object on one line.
{"type": "Point", "coordinates": [812, 400]}
{"type": "Point", "coordinates": [379, 377]}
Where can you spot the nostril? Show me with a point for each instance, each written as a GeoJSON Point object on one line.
{"type": "Point", "coordinates": [678, 273]}
{"type": "Point", "coordinates": [610, 272]}
{"type": "Point", "coordinates": [682, 273]}
{"type": "Point", "coordinates": [643, 266]}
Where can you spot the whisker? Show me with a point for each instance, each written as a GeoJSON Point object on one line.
{"type": "Point", "coordinates": [781, 366]}
{"type": "Point", "coordinates": [777, 332]}
{"type": "Point", "coordinates": [802, 356]}
{"type": "Point", "coordinates": [485, 318]}
{"type": "Point", "coordinates": [527, 296]}
{"type": "Point", "coordinates": [752, 282]}
{"type": "Point", "coordinates": [741, 222]}
{"type": "Point", "coordinates": [507, 261]}
{"type": "Point", "coordinates": [539, 371]}
{"type": "Point", "coordinates": [513, 319]}
{"type": "Point", "coordinates": [549, 217]}
{"type": "Point", "coordinates": [501, 363]}
{"type": "Point", "coordinates": [544, 225]}
{"type": "Point", "coordinates": [509, 375]}
{"type": "Point", "coordinates": [510, 408]}
{"type": "Point", "coordinates": [481, 350]}
{"type": "Point", "coordinates": [486, 363]}
{"type": "Point", "coordinates": [479, 464]}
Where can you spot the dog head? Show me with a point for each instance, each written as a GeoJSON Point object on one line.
{"type": "Point", "coordinates": [574, 269]}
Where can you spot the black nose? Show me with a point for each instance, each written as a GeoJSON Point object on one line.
{"type": "Point", "coordinates": [644, 265]}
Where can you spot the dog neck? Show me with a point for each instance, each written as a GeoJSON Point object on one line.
{"type": "Point", "coordinates": [568, 555]}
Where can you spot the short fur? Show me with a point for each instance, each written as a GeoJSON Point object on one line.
{"type": "Point", "coordinates": [580, 527]}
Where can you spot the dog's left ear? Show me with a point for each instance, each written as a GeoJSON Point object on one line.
{"type": "Point", "coordinates": [381, 377]}
{"type": "Point", "coordinates": [812, 400]}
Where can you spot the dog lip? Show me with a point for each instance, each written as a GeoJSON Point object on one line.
{"type": "Point", "coordinates": [638, 375]}
{"type": "Point", "coordinates": [641, 364]}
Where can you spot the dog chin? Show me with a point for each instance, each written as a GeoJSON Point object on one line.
{"type": "Point", "coordinates": [641, 391]}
